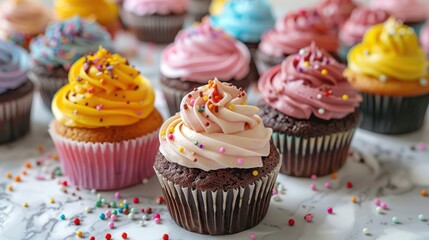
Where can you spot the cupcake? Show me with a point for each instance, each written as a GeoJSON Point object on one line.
{"type": "Point", "coordinates": [355, 27]}
{"type": "Point", "coordinates": [292, 32]}
{"type": "Point", "coordinates": [217, 166]}
{"type": "Point", "coordinates": [105, 128]}
{"type": "Point", "coordinates": [389, 68]}
{"type": "Point", "coordinates": [336, 11]}
{"type": "Point", "coordinates": [413, 13]}
{"type": "Point", "coordinates": [21, 20]}
{"type": "Point", "coordinates": [424, 39]}
{"type": "Point", "coordinates": [16, 92]}
{"type": "Point", "coordinates": [154, 21]}
{"type": "Point", "coordinates": [216, 7]}
{"type": "Point", "coordinates": [312, 110]}
{"type": "Point", "coordinates": [105, 12]}
{"type": "Point", "coordinates": [200, 53]}
{"type": "Point", "coordinates": [245, 20]}
{"type": "Point", "coordinates": [198, 9]}
{"type": "Point", "coordinates": [62, 44]}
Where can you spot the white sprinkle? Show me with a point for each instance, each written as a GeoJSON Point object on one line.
{"type": "Point", "coordinates": [142, 223]}
{"type": "Point", "coordinates": [145, 181]}
{"type": "Point", "coordinates": [88, 210]}
{"type": "Point", "coordinates": [423, 82]}
{"type": "Point", "coordinates": [321, 111]}
{"type": "Point", "coordinates": [145, 217]}
{"type": "Point", "coordinates": [379, 209]}
{"type": "Point", "coordinates": [93, 191]}
{"type": "Point", "coordinates": [365, 231]}
{"type": "Point", "coordinates": [62, 188]}
{"type": "Point", "coordinates": [277, 198]}
{"type": "Point", "coordinates": [382, 78]}
{"type": "Point", "coordinates": [319, 96]}
{"type": "Point", "coordinates": [302, 51]}
{"type": "Point", "coordinates": [125, 201]}
{"type": "Point", "coordinates": [98, 196]}
{"type": "Point", "coordinates": [131, 216]}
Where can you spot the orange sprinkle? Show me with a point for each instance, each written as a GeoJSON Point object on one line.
{"type": "Point", "coordinates": [17, 178]}
{"type": "Point", "coordinates": [24, 173]}
{"type": "Point", "coordinates": [102, 81]}
{"type": "Point", "coordinates": [424, 192]}
{"type": "Point", "coordinates": [27, 165]}
{"type": "Point", "coordinates": [41, 148]}
{"type": "Point", "coordinates": [334, 175]}
{"type": "Point", "coordinates": [354, 200]}
{"type": "Point", "coordinates": [211, 107]}
{"type": "Point", "coordinates": [55, 157]}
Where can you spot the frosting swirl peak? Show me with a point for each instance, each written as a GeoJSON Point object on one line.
{"type": "Point", "coordinates": [103, 90]}
{"type": "Point", "coordinates": [215, 129]}
{"type": "Point", "coordinates": [309, 83]}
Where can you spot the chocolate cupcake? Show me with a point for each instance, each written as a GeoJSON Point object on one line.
{"type": "Point", "coordinates": [200, 53]}
{"type": "Point", "coordinates": [62, 44]}
{"type": "Point", "coordinates": [295, 31]}
{"type": "Point", "coordinates": [16, 92]}
{"type": "Point", "coordinates": [217, 166]}
{"type": "Point", "coordinates": [313, 112]}
{"type": "Point", "coordinates": [389, 68]}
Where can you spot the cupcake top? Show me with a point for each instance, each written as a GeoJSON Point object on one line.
{"type": "Point", "coordinates": [65, 42]}
{"type": "Point", "coordinates": [103, 91]}
{"type": "Point", "coordinates": [102, 11]}
{"type": "Point", "coordinates": [246, 20]}
{"type": "Point", "coordinates": [424, 38]}
{"type": "Point", "coordinates": [309, 83]}
{"type": "Point", "coordinates": [14, 65]}
{"type": "Point", "coordinates": [26, 17]}
{"type": "Point", "coordinates": [407, 11]}
{"type": "Point", "coordinates": [215, 129]}
{"type": "Point", "coordinates": [337, 11]}
{"type": "Point", "coordinates": [360, 21]}
{"type": "Point", "coordinates": [216, 7]}
{"type": "Point", "coordinates": [202, 52]}
{"type": "Point", "coordinates": [151, 7]}
{"type": "Point", "coordinates": [297, 30]}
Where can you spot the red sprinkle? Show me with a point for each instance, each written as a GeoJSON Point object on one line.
{"type": "Point", "coordinates": [159, 200]}
{"type": "Point", "coordinates": [291, 222]}
{"type": "Point", "coordinates": [76, 221]}
{"type": "Point", "coordinates": [349, 185]}
{"type": "Point", "coordinates": [108, 236]}
{"type": "Point", "coordinates": [92, 238]}
{"type": "Point", "coordinates": [165, 237]}
{"type": "Point", "coordinates": [124, 235]}
{"type": "Point", "coordinates": [136, 200]}
{"type": "Point", "coordinates": [64, 183]}
{"type": "Point", "coordinates": [148, 210]}
{"type": "Point", "coordinates": [142, 210]}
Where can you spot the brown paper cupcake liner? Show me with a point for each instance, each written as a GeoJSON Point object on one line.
{"type": "Point", "coordinates": [154, 28]}
{"type": "Point", "coordinates": [219, 212]}
{"type": "Point", "coordinates": [305, 156]}
{"type": "Point", "coordinates": [15, 116]}
{"type": "Point", "coordinates": [393, 115]}
{"type": "Point", "coordinates": [48, 87]}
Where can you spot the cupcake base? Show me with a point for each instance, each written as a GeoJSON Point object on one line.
{"type": "Point", "coordinates": [393, 115]}
{"type": "Point", "coordinates": [15, 111]}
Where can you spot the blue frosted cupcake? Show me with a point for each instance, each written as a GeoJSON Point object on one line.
{"type": "Point", "coordinates": [16, 92]}
{"type": "Point", "coordinates": [63, 43]}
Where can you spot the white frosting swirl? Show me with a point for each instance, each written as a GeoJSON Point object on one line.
{"type": "Point", "coordinates": [216, 130]}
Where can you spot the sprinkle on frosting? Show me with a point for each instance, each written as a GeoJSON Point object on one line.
{"type": "Point", "coordinates": [232, 138]}
{"type": "Point", "coordinates": [305, 90]}
{"type": "Point", "coordinates": [14, 65]}
{"type": "Point", "coordinates": [394, 52]}
{"type": "Point", "coordinates": [125, 97]}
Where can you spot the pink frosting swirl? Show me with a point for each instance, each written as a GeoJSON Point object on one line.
{"type": "Point", "coordinates": [202, 53]}
{"type": "Point", "coordinates": [360, 21]}
{"type": "Point", "coordinates": [309, 83]}
{"type": "Point", "coordinates": [151, 7]}
{"type": "Point", "coordinates": [405, 10]}
{"type": "Point", "coordinates": [337, 11]}
{"type": "Point", "coordinates": [216, 129]}
{"type": "Point", "coordinates": [297, 30]}
{"type": "Point", "coordinates": [424, 38]}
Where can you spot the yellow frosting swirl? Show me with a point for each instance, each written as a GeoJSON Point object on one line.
{"type": "Point", "coordinates": [102, 11]}
{"type": "Point", "coordinates": [103, 91]}
{"type": "Point", "coordinates": [389, 50]}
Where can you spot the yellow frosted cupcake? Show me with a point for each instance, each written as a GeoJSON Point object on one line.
{"type": "Point", "coordinates": [105, 12]}
{"type": "Point", "coordinates": [106, 126]}
{"type": "Point", "coordinates": [390, 69]}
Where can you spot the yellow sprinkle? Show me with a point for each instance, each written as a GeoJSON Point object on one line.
{"type": "Point", "coordinates": [345, 97]}
{"type": "Point", "coordinates": [9, 188]}
{"type": "Point", "coordinates": [354, 200]}
{"type": "Point", "coordinates": [25, 204]}
{"type": "Point", "coordinates": [79, 234]}
{"type": "Point", "coordinates": [52, 200]}
{"type": "Point", "coordinates": [121, 205]}
{"type": "Point", "coordinates": [231, 107]}
{"type": "Point", "coordinates": [162, 133]}
{"type": "Point", "coordinates": [9, 175]}
{"type": "Point", "coordinates": [55, 157]}
{"type": "Point", "coordinates": [324, 72]}
{"type": "Point", "coordinates": [181, 149]}
{"type": "Point", "coordinates": [171, 129]}
{"type": "Point", "coordinates": [206, 98]}
{"type": "Point", "coordinates": [244, 103]}
{"type": "Point", "coordinates": [255, 173]}
{"type": "Point", "coordinates": [307, 63]}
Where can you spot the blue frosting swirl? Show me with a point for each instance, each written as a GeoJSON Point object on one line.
{"type": "Point", "coordinates": [14, 66]}
{"type": "Point", "coordinates": [65, 42]}
{"type": "Point", "coordinates": [246, 20]}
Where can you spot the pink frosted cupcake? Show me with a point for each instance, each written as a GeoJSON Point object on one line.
{"type": "Point", "coordinates": [294, 31]}
{"type": "Point", "coordinates": [411, 12]}
{"type": "Point", "coordinates": [200, 53]}
{"type": "Point", "coordinates": [105, 128]}
{"type": "Point", "coordinates": [153, 20]}
{"type": "Point", "coordinates": [360, 21]}
{"type": "Point", "coordinates": [336, 11]}
{"type": "Point", "coordinates": [424, 38]}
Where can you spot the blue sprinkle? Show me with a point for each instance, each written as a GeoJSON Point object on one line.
{"type": "Point", "coordinates": [102, 216]}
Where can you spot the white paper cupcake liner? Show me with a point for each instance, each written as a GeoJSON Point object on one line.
{"type": "Point", "coordinates": [219, 212]}
{"type": "Point", "coordinates": [107, 166]}
{"type": "Point", "coordinates": [305, 156]}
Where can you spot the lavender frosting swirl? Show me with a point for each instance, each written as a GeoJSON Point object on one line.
{"type": "Point", "coordinates": [14, 65]}
{"type": "Point", "coordinates": [309, 83]}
